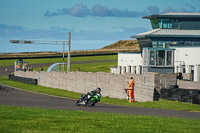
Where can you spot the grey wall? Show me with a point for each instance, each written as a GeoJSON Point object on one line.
{"type": "Point", "coordinates": [188, 84]}
{"type": "Point", "coordinates": [112, 85]}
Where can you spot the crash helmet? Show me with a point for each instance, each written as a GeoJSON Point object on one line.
{"type": "Point", "coordinates": [98, 89]}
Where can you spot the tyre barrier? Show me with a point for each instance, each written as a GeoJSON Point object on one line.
{"type": "Point", "coordinates": [23, 79]}
{"type": "Point", "coordinates": [182, 95]}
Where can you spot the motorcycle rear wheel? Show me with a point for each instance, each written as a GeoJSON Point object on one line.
{"type": "Point", "coordinates": [91, 102]}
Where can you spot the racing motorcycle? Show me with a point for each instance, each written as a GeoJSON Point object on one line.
{"type": "Point", "coordinates": [88, 99]}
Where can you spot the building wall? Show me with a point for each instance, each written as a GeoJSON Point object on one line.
{"type": "Point", "coordinates": [187, 56]}
{"type": "Point", "coordinates": [186, 60]}
{"type": "Point", "coordinates": [112, 85]}
{"type": "Point", "coordinates": [129, 63]}
{"type": "Point", "coordinates": [126, 59]}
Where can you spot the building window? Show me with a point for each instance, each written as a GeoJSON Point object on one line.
{"type": "Point", "coordinates": [167, 44]}
{"type": "Point", "coordinates": [169, 61]}
{"type": "Point", "coordinates": [160, 58]}
{"type": "Point", "coordinates": [154, 23]}
{"type": "Point", "coordinates": [152, 60]}
{"type": "Point", "coordinates": [181, 43]}
{"type": "Point", "coordinates": [174, 43]}
{"type": "Point", "coordinates": [188, 43]}
{"type": "Point", "coordinates": [196, 43]}
{"type": "Point", "coordinates": [161, 44]}
{"type": "Point", "coordinates": [154, 44]}
{"type": "Point", "coordinates": [145, 57]}
{"type": "Point", "coordinates": [158, 44]}
{"type": "Point", "coordinates": [165, 23]}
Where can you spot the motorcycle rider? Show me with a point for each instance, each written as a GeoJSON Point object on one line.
{"type": "Point", "coordinates": [95, 92]}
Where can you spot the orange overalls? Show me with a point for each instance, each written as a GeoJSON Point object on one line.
{"type": "Point", "coordinates": [18, 66]}
{"type": "Point", "coordinates": [131, 86]}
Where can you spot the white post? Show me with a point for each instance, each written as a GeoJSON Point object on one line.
{"type": "Point", "coordinates": [196, 72]}
{"type": "Point", "coordinates": [63, 56]}
{"type": "Point", "coordinates": [69, 49]}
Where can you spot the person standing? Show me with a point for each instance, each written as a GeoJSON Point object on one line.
{"type": "Point", "coordinates": [131, 85]}
{"type": "Point", "coordinates": [41, 68]}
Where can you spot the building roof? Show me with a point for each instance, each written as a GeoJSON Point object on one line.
{"type": "Point", "coordinates": [175, 15]}
{"type": "Point", "coordinates": [169, 33]}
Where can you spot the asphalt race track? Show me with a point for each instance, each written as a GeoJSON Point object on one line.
{"type": "Point", "coordinates": [16, 97]}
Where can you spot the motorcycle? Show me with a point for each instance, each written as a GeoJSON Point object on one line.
{"type": "Point", "coordinates": [88, 100]}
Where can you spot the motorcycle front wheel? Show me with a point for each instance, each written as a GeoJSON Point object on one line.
{"type": "Point", "coordinates": [78, 103]}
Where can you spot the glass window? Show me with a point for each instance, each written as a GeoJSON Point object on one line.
{"type": "Point", "coordinates": [167, 44]}
{"type": "Point", "coordinates": [160, 58]}
{"type": "Point", "coordinates": [164, 26]}
{"type": "Point", "coordinates": [169, 58]}
{"type": "Point", "coordinates": [161, 44]}
{"type": "Point", "coordinates": [196, 43]}
{"type": "Point", "coordinates": [181, 43]}
{"type": "Point", "coordinates": [152, 60]}
{"type": "Point", "coordinates": [188, 43]}
{"type": "Point", "coordinates": [145, 57]}
{"type": "Point", "coordinates": [154, 23]}
{"type": "Point", "coordinates": [154, 44]}
{"type": "Point", "coordinates": [173, 43]}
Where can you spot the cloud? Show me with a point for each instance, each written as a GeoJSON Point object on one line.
{"type": "Point", "coordinates": [153, 9]}
{"type": "Point", "coordinates": [80, 10]}
{"type": "Point", "coordinates": [6, 30]}
{"type": "Point", "coordinates": [102, 11]}
{"type": "Point", "coordinates": [191, 6]}
{"type": "Point", "coordinates": [60, 33]}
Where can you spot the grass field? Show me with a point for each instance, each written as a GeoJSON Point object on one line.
{"type": "Point", "coordinates": [164, 104]}
{"type": "Point", "coordinates": [38, 120]}
{"type": "Point", "coordinates": [56, 60]}
{"type": "Point", "coordinates": [90, 67]}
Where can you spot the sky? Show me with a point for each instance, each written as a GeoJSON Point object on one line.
{"type": "Point", "coordinates": [93, 23]}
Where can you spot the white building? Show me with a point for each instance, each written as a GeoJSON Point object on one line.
{"type": "Point", "coordinates": [172, 46]}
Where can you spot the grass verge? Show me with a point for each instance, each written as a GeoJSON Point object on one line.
{"type": "Point", "coordinates": [163, 104]}
{"type": "Point", "coordinates": [90, 67]}
{"type": "Point", "coordinates": [37, 120]}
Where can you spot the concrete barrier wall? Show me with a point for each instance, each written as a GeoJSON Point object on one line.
{"type": "Point", "coordinates": [27, 74]}
{"type": "Point", "coordinates": [187, 76]}
{"type": "Point", "coordinates": [164, 81]}
{"type": "Point", "coordinates": [188, 84]}
{"type": "Point", "coordinates": [112, 85]}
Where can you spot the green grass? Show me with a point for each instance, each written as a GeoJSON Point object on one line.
{"type": "Point", "coordinates": [38, 120]}
{"type": "Point", "coordinates": [56, 60]}
{"type": "Point", "coordinates": [163, 104]}
{"type": "Point", "coordinates": [90, 67]}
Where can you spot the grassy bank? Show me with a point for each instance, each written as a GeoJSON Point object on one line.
{"type": "Point", "coordinates": [163, 104]}
{"type": "Point", "coordinates": [55, 60]}
{"type": "Point", "coordinates": [90, 67]}
{"type": "Point", "coordinates": [37, 120]}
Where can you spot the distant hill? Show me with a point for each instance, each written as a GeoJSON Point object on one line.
{"type": "Point", "coordinates": [120, 46]}
{"type": "Point", "coordinates": [130, 45]}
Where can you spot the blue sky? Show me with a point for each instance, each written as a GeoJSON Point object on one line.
{"type": "Point", "coordinates": [93, 23]}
